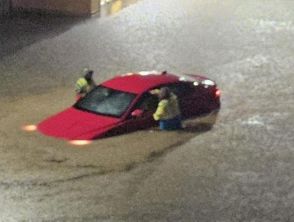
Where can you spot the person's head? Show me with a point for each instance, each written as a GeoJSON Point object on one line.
{"type": "Point", "coordinates": [89, 74]}
{"type": "Point", "coordinates": [164, 93]}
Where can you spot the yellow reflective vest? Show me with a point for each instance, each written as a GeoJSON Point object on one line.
{"type": "Point", "coordinates": [167, 108]}
{"type": "Point", "coordinates": [82, 85]}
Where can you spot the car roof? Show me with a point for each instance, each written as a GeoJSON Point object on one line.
{"type": "Point", "coordinates": [141, 81]}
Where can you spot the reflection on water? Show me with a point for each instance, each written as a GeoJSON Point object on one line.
{"type": "Point", "coordinates": [80, 142]}
{"type": "Point", "coordinates": [110, 7]}
{"type": "Point", "coordinates": [29, 128]}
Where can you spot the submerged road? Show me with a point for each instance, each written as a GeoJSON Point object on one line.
{"type": "Point", "coordinates": [241, 170]}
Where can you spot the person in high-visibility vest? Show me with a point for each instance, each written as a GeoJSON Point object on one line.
{"type": "Point", "coordinates": [168, 112]}
{"type": "Point", "coordinates": [85, 84]}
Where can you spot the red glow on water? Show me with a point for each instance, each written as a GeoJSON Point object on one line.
{"type": "Point", "coordinates": [80, 142]}
{"type": "Point", "coordinates": [29, 128]}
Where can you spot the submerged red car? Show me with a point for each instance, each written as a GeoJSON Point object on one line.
{"type": "Point", "coordinates": [124, 104]}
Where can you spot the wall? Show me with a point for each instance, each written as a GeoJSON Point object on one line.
{"type": "Point", "coordinates": [75, 7]}
{"type": "Point", "coordinates": [4, 7]}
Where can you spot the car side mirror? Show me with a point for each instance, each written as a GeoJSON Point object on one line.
{"type": "Point", "coordinates": [137, 113]}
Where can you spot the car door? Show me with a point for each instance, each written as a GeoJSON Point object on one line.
{"type": "Point", "coordinates": [190, 98]}
{"type": "Point", "coordinates": [148, 104]}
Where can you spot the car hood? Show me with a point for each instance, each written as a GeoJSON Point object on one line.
{"type": "Point", "coordinates": [74, 124]}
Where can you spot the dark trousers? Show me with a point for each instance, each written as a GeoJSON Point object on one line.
{"type": "Point", "coordinates": [170, 124]}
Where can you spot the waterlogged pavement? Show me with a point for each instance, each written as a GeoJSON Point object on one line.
{"type": "Point", "coordinates": [241, 170]}
{"type": "Point", "coordinates": [40, 153]}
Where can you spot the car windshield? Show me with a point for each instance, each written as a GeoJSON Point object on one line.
{"type": "Point", "coordinates": [106, 101]}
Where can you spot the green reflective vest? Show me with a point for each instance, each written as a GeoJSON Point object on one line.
{"type": "Point", "coordinates": [167, 108]}
{"type": "Point", "coordinates": [82, 85]}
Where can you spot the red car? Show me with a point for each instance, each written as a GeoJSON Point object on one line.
{"type": "Point", "coordinates": [124, 104]}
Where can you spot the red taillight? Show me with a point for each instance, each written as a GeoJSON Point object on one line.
{"type": "Point", "coordinates": [217, 93]}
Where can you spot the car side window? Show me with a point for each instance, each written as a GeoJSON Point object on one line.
{"type": "Point", "coordinates": [182, 89]}
{"type": "Point", "coordinates": [148, 102]}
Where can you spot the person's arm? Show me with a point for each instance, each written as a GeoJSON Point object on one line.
{"type": "Point", "coordinates": [154, 91]}
{"type": "Point", "coordinates": [160, 111]}
{"type": "Point", "coordinates": [80, 87]}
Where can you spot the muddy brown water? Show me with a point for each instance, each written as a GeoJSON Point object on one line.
{"type": "Point", "coordinates": [51, 159]}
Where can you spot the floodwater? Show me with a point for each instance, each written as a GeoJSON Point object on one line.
{"type": "Point", "coordinates": [19, 118]}
{"type": "Point", "coordinates": [103, 155]}
{"type": "Point", "coordinates": [241, 170]}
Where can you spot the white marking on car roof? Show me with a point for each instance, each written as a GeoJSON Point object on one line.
{"type": "Point", "coordinates": [128, 74]}
{"type": "Point", "coordinates": [186, 78]}
{"type": "Point", "coordinates": [208, 82]}
{"type": "Point", "coordinates": [153, 72]}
